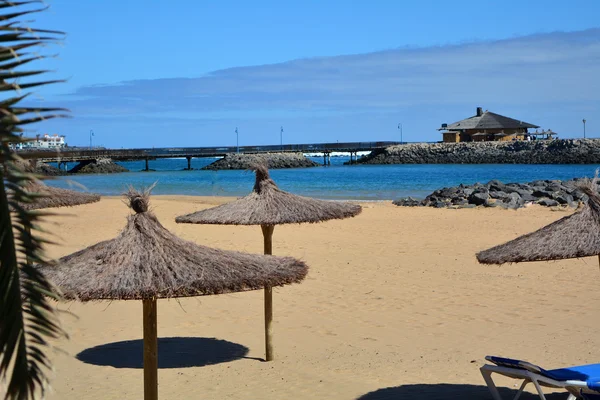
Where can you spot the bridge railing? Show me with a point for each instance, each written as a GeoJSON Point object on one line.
{"type": "Point", "coordinates": [307, 148]}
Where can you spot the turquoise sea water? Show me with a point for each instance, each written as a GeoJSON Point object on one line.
{"type": "Point", "coordinates": [360, 182]}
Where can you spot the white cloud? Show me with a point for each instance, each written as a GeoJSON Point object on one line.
{"type": "Point", "coordinates": [535, 75]}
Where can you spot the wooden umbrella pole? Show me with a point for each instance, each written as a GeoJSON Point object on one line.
{"type": "Point", "coordinates": [268, 241]}
{"type": "Point", "coordinates": [150, 350]}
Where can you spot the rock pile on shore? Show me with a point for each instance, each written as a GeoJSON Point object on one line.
{"type": "Point", "coordinates": [272, 160]}
{"type": "Point", "coordinates": [550, 193]}
{"type": "Point", "coordinates": [40, 168]}
{"type": "Point", "coordinates": [570, 151]}
{"type": "Point", "coordinates": [101, 166]}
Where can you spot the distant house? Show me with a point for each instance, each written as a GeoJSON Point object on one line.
{"type": "Point", "coordinates": [485, 126]}
{"type": "Point", "coordinates": [44, 142]}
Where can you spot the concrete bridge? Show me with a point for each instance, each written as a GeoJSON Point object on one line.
{"type": "Point", "coordinates": [89, 155]}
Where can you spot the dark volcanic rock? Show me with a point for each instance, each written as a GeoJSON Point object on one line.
{"type": "Point", "coordinates": [273, 161]}
{"type": "Point", "coordinates": [514, 201]}
{"type": "Point", "coordinates": [407, 202]}
{"type": "Point", "coordinates": [460, 201]}
{"type": "Point", "coordinates": [102, 166]}
{"type": "Point", "coordinates": [564, 198]}
{"type": "Point", "coordinates": [548, 202]}
{"type": "Point", "coordinates": [564, 151]}
{"type": "Point", "coordinates": [40, 168]}
{"type": "Point", "coordinates": [479, 198]}
{"type": "Point", "coordinates": [497, 194]}
{"type": "Point", "coordinates": [542, 193]}
{"type": "Point", "coordinates": [48, 170]}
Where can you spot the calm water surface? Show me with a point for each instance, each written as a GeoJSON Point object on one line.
{"type": "Point", "coordinates": [360, 182]}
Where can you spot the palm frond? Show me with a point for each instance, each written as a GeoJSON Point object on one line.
{"type": "Point", "coordinates": [28, 320]}
{"type": "Point", "coordinates": [27, 317]}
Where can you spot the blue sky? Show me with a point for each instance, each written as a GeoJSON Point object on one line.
{"type": "Point", "coordinates": [186, 73]}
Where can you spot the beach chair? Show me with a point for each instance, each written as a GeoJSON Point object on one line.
{"type": "Point", "coordinates": [581, 382]}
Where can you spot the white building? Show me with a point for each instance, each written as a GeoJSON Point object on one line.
{"type": "Point", "coordinates": [44, 142]}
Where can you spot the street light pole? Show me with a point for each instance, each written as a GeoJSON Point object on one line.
{"type": "Point", "coordinates": [237, 140]}
{"type": "Point", "coordinates": [281, 137]}
{"type": "Point", "coordinates": [91, 134]}
{"type": "Point", "coordinates": [584, 121]}
{"type": "Point", "coordinates": [400, 127]}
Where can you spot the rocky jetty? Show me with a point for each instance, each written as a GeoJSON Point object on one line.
{"type": "Point", "coordinates": [567, 151]}
{"type": "Point", "coordinates": [101, 166]}
{"type": "Point", "coordinates": [40, 168]}
{"type": "Point", "coordinates": [550, 193]}
{"type": "Point", "coordinates": [272, 160]}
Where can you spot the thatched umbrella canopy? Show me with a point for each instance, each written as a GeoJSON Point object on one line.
{"type": "Point", "coordinates": [267, 206]}
{"type": "Point", "coordinates": [51, 197]}
{"type": "Point", "coordinates": [147, 262]}
{"type": "Point", "coordinates": [44, 196]}
{"type": "Point", "coordinates": [574, 236]}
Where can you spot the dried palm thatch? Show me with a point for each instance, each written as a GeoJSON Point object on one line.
{"type": "Point", "coordinates": [146, 261]}
{"type": "Point", "coordinates": [44, 196]}
{"type": "Point", "coordinates": [50, 197]}
{"type": "Point", "coordinates": [577, 235]}
{"type": "Point", "coordinates": [269, 205]}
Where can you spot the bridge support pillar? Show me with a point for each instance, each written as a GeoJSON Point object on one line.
{"type": "Point", "coordinates": [147, 168]}
{"type": "Point", "coordinates": [189, 163]}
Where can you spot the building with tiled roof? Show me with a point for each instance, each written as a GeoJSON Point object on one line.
{"type": "Point", "coordinates": [485, 126]}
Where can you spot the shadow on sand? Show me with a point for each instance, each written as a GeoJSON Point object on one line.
{"type": "Point", "coordinates": [173, 352]}
{"type": "Point", "coordinates": [446, 391]}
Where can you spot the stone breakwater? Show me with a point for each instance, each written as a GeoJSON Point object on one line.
{"type": "Point", "coordinates": [101, 166]}
{"type": "Point", "coordinates": [567, 151]}
{"type": "Point", "coordinates": [40, 168]}
{"type": "Point", "coordinates": [272, 160]}
{"type": "Point", "coordinates": [550, 193]}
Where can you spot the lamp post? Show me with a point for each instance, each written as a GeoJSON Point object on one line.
{"type": "Point", "coordinates": [237, 140]}
{"type": "Point", "coordinates": [91, 134]}
{"type": "Point", "coordinates": [281, 137]}
{"type": "Point", "coordinates": [400, 127]}
{"type": "Point", "coordinates": [584, 121]}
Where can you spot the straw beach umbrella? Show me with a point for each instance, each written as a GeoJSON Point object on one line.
{"type": "Point", "coordinates": [147, 262]}
{"type": "Point", "coordinates": [51, 197]}
{"type": "Point", "coordinates": [574, 236]}
{"type": "Point", "coordinates": [267, 206]}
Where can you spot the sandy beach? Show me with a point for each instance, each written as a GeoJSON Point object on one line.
{"type": "Point", "coordinates": [395, 306]}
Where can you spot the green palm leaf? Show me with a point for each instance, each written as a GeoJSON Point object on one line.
{"type": "Point", "coordinates": [27, 318]}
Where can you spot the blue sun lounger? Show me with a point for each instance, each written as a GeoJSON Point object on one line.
{"type": "Point", "coordinates": [581, 382]}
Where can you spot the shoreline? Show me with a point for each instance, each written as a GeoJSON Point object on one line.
{"type": "Point", "coordinates": [211, 201]}
{"type": "Point", "coordinates": [370, 183]}
{"type": "Point", "coordinates": [225, 199]}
